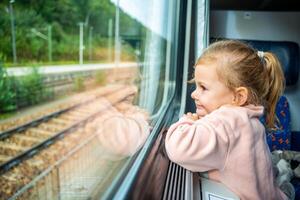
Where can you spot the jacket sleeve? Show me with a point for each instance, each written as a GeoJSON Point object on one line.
{"type": "Point", "coordinates": [198, 146]}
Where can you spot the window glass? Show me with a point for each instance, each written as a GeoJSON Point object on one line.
{"type": "Point", "coordinates": [93, 75]}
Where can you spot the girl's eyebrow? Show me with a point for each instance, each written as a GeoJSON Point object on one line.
{"type": "Point", "coordinates": [199, 82]}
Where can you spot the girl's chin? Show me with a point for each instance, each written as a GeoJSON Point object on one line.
{"type": "Point", "coordinates": [201, 112]}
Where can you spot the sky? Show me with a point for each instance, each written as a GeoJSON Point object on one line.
{"type": "Point", "coordinates": [150, 13]}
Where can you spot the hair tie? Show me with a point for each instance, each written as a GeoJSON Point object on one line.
{"type": "Point", "coordinates": [260, 54]}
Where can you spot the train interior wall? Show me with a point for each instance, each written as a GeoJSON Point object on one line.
{"type": "Point", "coordinates": [266, 26]}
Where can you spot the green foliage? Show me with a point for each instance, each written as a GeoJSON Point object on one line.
{"type": "Point", "coordinates": [23, 22]}
{"type": "Point", "coordinates": [2, 58]}
{"type": "Point", "coordinates": [7, 93]}
{"type": "Point", "coordinates": [31, 88]}
{"type": "Point", "coordinates": [79, 84]}
{"type": "Point", "coordinates": [63, 16]}
{"type": "Point", "coordinates": [22, 92]}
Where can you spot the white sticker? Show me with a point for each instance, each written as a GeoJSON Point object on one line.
{"type": "Point", "coordinates": [211, 196]}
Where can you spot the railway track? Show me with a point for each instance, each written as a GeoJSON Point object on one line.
{"type": "Point", "coordinates": [20, 143]}
{"type": "Point", "coordinates": [28, 149]}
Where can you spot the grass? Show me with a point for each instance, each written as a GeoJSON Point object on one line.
{"type": "Point", "coordinates": [7, 115]}
{"type": "Point", "coordinates": [54, 63]}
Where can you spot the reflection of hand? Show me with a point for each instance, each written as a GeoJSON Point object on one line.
{"type": "Point", "coordinates": [122, 136]}
{"type": "Point", "coordinates": [192, 116]}
{"type": "Point", "coordinates": [121, 130]}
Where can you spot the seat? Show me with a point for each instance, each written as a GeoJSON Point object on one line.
{"type": "Point", "coordinates": [280, 138]}
{"type": "Point", "coordinates": [287, 53]}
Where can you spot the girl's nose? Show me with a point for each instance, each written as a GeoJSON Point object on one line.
{"type": "Point", "coordinates": [193, 95]}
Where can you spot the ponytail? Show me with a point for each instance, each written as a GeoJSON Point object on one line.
{"type": "Point", "coordinates": [275, 78]}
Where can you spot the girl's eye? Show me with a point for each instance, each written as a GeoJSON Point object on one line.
{"type": "Point", "coordinates": [202, 87]}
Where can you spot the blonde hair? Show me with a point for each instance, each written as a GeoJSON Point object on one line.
{"type": "Point", "coordinates": [239, 65]}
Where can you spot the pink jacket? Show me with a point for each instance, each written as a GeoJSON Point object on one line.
{"type": "Point", "coordinates": [230, 144]}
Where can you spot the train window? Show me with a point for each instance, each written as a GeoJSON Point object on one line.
{"type": "Point", "coordinates": [82, 84]}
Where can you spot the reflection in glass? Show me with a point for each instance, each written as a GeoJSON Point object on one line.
{"type": "Point", "coordinates": [123, 135]}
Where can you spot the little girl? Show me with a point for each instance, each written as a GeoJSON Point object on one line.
{"type": "Point", "coordinates": [236, 85]}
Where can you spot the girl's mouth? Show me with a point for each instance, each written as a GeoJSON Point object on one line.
{"type": "Point", "coordinates": [199, 106]}
{"type": "Point", "coordinates": [200, 110]}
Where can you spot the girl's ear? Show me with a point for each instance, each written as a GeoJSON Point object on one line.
{"type": "Point", "coordinates": [240, 96]}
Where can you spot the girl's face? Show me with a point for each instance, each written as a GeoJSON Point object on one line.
{"type": "Point", "coordinates": [210, 92]}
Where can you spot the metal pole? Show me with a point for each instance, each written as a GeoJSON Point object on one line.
{"type": "Point", "coordinates": [117, 36]}
{"type": "Point", "coordinates": [13, 35]}
{"type": "Point", "coordinates": [110, 33]}
{"type": "Point", "coordinates": [81, 47]}
{"type": "Point", "coordinates": [50, 43]}
{"type": "Point", "coordinates": [90, 43]}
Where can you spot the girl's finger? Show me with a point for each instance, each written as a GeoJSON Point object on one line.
{"type": "Point", "coordinates": [195, 116]}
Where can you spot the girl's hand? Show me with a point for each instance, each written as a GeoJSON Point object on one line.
{"type": "Point", "coordinates": [192, 116]}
